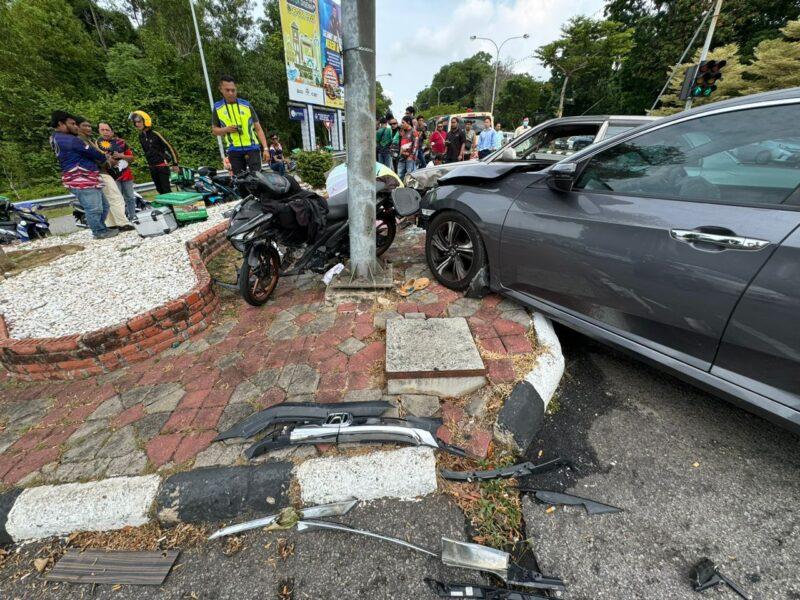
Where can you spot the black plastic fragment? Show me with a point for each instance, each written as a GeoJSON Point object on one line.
{"type": "Point", "coordinates": [592, 506]}
{"type": "Point", "coordinates": [465, 590]}
{"type": "Point", "coordinates": [521, 470]}
{"type": "Point", "coordinates": [705, 574]}
{"type": "Point", "coordinates": [300, 413]}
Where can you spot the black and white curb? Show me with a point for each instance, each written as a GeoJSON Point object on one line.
{"type": "Point", "coordinates": [212, 494]}
{"type": "Point", "coordinates": [522, 415]}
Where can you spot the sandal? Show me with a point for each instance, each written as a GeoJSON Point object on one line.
{"type": "Point", "coordinates": [407, 288]}
{"type": "Point", "coordinates": [421, 283]}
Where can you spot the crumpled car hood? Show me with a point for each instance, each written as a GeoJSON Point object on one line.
{"type": "Point", "coordinates": [481, 171]}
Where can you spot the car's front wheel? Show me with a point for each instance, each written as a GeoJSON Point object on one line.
{"type": "Point", "coordinates": [454, 250]}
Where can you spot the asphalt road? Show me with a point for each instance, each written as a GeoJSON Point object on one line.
{"type": "Point", "coordinates": [695, 475]}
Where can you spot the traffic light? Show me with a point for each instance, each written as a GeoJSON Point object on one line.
{"type": "Point", "coordinates": [700, 81]}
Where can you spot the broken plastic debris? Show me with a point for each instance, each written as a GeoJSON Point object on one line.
{"type": "Point", "coordinates": [332, 272]}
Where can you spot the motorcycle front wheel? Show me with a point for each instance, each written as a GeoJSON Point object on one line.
{"type": "Point", "coordinates": [385, 230]}
{"type": "Point", "coordinates": [259, 274]}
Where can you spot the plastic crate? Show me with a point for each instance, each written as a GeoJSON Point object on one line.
{"type": "Point", "coordinates": [187, 206]}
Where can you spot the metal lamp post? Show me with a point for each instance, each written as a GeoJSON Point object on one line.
{"type": "Point", "coordinates": [205, 74]}
{"type": "Point", "coordinates": [439, 92]}
{"type": "Point", "coordinates": [524, 36]}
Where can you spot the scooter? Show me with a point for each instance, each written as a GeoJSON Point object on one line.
{"type": "Point", "coordinates": [21, 222]}
{"type": "Point", "coordinates": [80, 215]}
{"type": "Point", "coordinates": [261, 223]}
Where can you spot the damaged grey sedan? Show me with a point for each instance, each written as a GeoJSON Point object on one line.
{"type": "Point", "coordinates": [665, 241]}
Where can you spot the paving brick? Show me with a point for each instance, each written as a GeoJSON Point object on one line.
{"type": "Point", "coordinates": [191, 445]}
{"type": "Point", "coordinates": [517, 344]}
{"type": "Point", "coordinates": [128, 416]}
{"type": "Point", "coordinates": [207, 418]}
{"type": "Point", "coordinates": [193, 399]}
{"type": "Point", "coordinates": [500, 371]}
{"type": "Point", "coordinates": [180, 420]}
{"type": "Point", "coordinates": [493, 344]}
{"type": "Point", "coordinates": [507, 328]}
{"type": "Point", "coordinates": [161, 448]}
{"type": "Point", "coordinates": [477, 443]}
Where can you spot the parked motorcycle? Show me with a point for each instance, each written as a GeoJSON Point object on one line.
{"type": "Point", "coordinates": [265, 221]}
{"type": "Point", "coordinates": [21, 222]}
{"type": "Point", "coordinates": [215, 188]}
{"type": "Point", "coordinates": [80, 215]}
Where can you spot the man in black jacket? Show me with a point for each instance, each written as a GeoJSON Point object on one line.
{"type": "Point", "coordinates": [158, 152]}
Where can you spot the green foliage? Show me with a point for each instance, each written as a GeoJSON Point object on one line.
{"type": "Point", "coordinates": [313, 167]}
{"type": "Point", "coordinates": [521, 96]}
{"type": "Point", "coordinates": [776, 63]}
{"type": "Point", "coordinates": [104, 60]}
{"type": "Point", "coordinates": [466, 77]}
{"type": "Point", "coordinates": [382, 102]}
{"type": "Point", "coordinates": [586, 54]}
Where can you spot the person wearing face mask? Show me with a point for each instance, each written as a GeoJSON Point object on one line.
{"type": "Point", "coordinates": [522, 128]}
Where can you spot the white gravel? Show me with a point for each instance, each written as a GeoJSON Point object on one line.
{"type": "Point", "coordinates": [109, 282]}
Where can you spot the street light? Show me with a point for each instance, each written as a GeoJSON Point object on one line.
{"type": "Point", "coordinates": [524, 36]}
{"type": "Point", "coordinates": [383, 75]}
{"type": "Point", "coordinates": [439, 92]}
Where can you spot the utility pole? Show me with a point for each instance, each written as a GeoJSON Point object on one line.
{"type": "Point", "coordinates": [439, 92]}
{"type": "Point", "coordinates": [205, 74]}
{"type": "Point", "coordinates": [358, 36]}
{"type": "Point", "coordinates": [707, 44]}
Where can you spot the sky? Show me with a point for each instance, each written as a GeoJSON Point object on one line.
{"type": "Point", "coordinates": [415, 38]}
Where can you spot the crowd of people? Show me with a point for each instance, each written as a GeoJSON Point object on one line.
{"type": "Point", "coordinates": [97, 171]}
{"type": "Point", "coordinates": [407, 145]}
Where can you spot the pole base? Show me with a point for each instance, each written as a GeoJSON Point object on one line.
{"type": "Point", "coordinates": [346, 287]}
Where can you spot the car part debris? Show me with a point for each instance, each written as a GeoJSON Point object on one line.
{"type": "Point", "coordinates": [496, 562]}
{"type": "Point", "coordinates": [521, 470]}
{"type": "Point", "coordinates": [592, 506]}
{"type": "Point", "coordinates": [334, 509]}
{"type": "Point", "coordinates": [306, 525]}
{"type": "Point", "coordinates": [114, 567]}
{"type": "Point", "coordinates": [341, 428]}
{"type": "Point", "coordinates": [466, 590]}
{"type": "Point", "coordinates": [705, 574]}
{"type": "Point", "coordinates": [301, 413]}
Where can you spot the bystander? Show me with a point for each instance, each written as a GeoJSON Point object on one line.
{"type": "Point", "coordinates": [158, 152]}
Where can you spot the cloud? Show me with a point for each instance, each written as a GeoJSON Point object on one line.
{"type": "Point", "coordinates": [416, 38]}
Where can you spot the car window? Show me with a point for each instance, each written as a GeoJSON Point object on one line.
{"type": "Point", "coordinates": [735, 158]}
{"type": "Point", "coordinates": [617, 128]}
{"type": "Point", "coordinates": [558, 140]}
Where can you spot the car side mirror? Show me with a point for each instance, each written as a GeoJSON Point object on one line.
{"type": "Point", "coordinates": [561, 176]}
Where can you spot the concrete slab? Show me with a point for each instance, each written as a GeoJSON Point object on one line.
{"type": "Point", "coordinates": [97, 506]}
{"type": "Point", "coordinates": [436, 348]}
{"type": "Point", "coordinates": [368, 476]}
{"type": "Point", "coordinates": [443, 387]}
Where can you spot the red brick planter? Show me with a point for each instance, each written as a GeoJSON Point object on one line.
{"type": "Point", "coordinates": [145, 335]}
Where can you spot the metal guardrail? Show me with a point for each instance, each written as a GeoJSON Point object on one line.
{"type": "Point", "coordinates": [65, 199]}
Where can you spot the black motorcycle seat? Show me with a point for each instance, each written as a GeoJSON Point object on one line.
{"type": "Point", "coordinates": [337, 206]}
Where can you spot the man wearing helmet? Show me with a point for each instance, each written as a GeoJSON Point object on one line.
{"type": "Point", "coordinates": [158, 152]}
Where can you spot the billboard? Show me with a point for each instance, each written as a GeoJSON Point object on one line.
{"type": "Point", "coordinates": [312, 42]}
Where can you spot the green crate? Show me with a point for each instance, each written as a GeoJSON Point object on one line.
{"type": "Point", "coordinates": [187, 206]}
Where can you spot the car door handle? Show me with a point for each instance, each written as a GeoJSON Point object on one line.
{"type": "Point", "coordinates": [732, 242]}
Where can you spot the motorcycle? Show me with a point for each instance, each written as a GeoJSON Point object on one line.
{"type": "Point", "coordinates": [80, 215]}
{"type": "Point", "coordinates": [215, 188]}
{"type": "Point", "coordinates": [21, 222]}
{"type": "Point", "coordinates": [261, 228]}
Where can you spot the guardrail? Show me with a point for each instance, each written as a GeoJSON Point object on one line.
{"type": "Point", "coordinates": [65, 199]}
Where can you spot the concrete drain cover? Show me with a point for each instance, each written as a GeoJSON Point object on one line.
{"type": "Point", "coordinates": [432, 356]}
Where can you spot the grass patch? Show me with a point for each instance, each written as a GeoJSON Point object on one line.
{"type": "Point", "coordinates": [61, 211]}
{"type": "Point", "coordinates": [23, 260]}
{"type": "Point", "coordinates": [493, 508]}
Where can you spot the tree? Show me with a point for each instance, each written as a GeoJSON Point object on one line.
{"type": "Point", "coordinates": [520, 96]}
{"type": "Point", "coordinates": [730, 86]}
{"type": "Point", "coordinates": [663, 28]}
{"type": "Point", "coordinates": [466, 77]}
{"type": "Point", "coordinates": [777, 62]}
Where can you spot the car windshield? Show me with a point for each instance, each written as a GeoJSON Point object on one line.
{"type": "Point", "coordinates": [617, 128]}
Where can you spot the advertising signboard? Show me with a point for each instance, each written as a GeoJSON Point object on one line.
{"type": "Point", "coordinates": [312, 41]}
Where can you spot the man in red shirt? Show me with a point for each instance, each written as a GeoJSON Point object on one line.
{"type": "Point", "coordinates": [119, 150]}
{"type": "Point", "coordinates": [438, 139]}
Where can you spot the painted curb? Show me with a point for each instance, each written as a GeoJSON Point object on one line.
{"type": "Point", "coordinates": [522, 414]}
